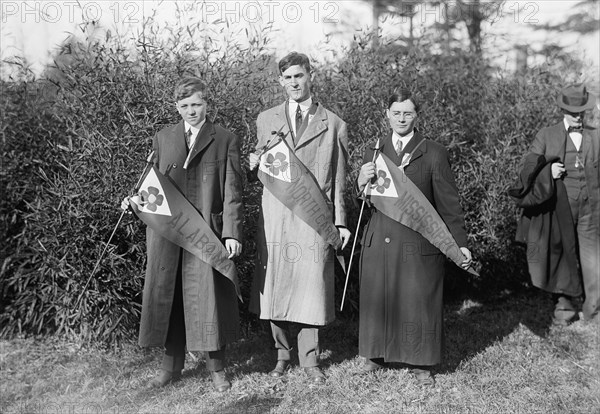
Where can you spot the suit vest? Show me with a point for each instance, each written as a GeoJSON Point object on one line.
{"type": "Point", "coordinates": [575, 178]}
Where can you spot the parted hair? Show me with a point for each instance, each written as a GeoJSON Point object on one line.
{"type": "Point", "coordinates": [188, 86]}
{"type": "Point", "coordinates": [292, 59]}
{"type": "Point", "coordinates": [401, 95]}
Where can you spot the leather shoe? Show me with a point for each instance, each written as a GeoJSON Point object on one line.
{"type": "Point", "coordinates": [279, 369]}
{"type": "Point", "coordinates": [219, 381]}
{"type": "Point", "coordinates": [423, 377]}
{"type": "Point", "coordinates": [163, 378]}
{"type": "Point", "coordinates": [369, 366]}
{"type": "Point", "coordinates": [557, 321]}
{"type": "Point", "coordinates": [315, 375]}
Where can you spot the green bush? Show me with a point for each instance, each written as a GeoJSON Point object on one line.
{"type": "Point", "coordinates": [75, 142]}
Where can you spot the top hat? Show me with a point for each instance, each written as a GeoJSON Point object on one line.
{"type": "Point", "coordinates": [575, 98]}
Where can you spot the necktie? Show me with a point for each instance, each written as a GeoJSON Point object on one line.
{"type": "Point", "coordinates": [575, 129]}
{"type": "Point", "coordinates": [298, 119]}
{"type": "Point", "coordinates": [398, 147]}
{"type": "Point", "coordinates": [188, 138]}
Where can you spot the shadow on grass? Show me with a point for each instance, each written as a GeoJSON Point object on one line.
{"type": "Point", "coordinates": [470, 326]}
{"type": "Point", "coordinates": [253, 405]}
{"type": "Point", "coordinates": [477, 313]}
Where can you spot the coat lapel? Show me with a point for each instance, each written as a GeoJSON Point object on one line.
{"type": "Point", "coordinates": [387, 148]}
{"type": "Point", "coordinates": [412, 144]}
{"type": "Point", "coordinates": [204, 138]}
{"type": "Point", "coordinates": [560, 141]}
{"type": "Point", "coordinates": [316, 126]}
{"type": "Point", "coordinates": [589, 145]}
{"type": "Point", "coordinates": [280, 124]}
{"type": "Point", "coordinates": [178, 141]}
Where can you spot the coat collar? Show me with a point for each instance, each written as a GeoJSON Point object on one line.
{"type": "Point", "coordinates": [589, 142]}
{"type": "Point", "coordinates": [387, 147]}
{"type": "Point", "coordinates": [316, 125]}
{"type": "Point", "coordinates": [203, 140]}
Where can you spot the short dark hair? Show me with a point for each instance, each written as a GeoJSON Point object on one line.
{"type": "Point", "coordinates": [188, 86]}
{"type": "Point", "coordinates": [292, 59]}
{"type": "Point", "coordinates": [401, 95]}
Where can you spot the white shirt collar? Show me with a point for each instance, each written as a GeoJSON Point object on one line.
{"type": "Point", "coordinates": [194, 136]}
{"type": "Point", "coordinates": [405, 139]}
{"type": "Point", "coordinates": [304, 105]}
{"type": "Point", "coordinates": [194, 129]}
{"type": "Point", "coordinates": [566, 124]}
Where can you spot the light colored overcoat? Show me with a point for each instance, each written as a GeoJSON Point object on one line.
{"type": "Point", "coordinates": [294, 276]}
{"type": "Point", "coordinates": [212, 183]}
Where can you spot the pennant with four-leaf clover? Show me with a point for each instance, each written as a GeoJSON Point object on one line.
{"type": "Point", "coordinates": [396, 196]}
{"type": "Point", "coordinates": [290, 181]}
{"type": "Point", "coordinates": [170, 214]}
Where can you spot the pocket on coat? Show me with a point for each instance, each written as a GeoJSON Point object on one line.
{"type": "Point", "coordinates": [216, 223]}
{"type": "Point", "coordinates": [428, 249]}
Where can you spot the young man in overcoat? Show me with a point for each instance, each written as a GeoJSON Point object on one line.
{"type": "Point", "coordinates": [293, 285]}
{"type": "Point", "coordinates": [187, 304]}
{"type": "Point", "coordinates": [401, 272]}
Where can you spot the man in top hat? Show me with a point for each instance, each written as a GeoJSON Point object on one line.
{"type": "Point", "coordinates": [578, 148]}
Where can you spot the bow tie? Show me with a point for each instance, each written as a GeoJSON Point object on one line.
{"type": "Point", "coordinates": [575, 129]}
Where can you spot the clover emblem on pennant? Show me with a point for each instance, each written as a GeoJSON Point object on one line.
{"type": "Point", "coordinates": [276, 163]}
{"type": "Point", "coordinates": [382, 182]}
{"type": "Point", "coordinates": [151, 198]}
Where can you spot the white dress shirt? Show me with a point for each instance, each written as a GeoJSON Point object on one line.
{"type": "Point", "coordinates": [405, 139]}
{"type": "Point", "coordinates": [304, 107]}
{"type": "Point", "coordinates": [193, 137]}
{"type": "Point", "coordinates": [576, 137]}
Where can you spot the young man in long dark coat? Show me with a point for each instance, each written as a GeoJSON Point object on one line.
{"type": "Point", "coordinates": [401, 273]}
{"type": "Point", "coordinates": [187, 303]}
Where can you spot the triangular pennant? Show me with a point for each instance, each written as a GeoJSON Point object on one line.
{"type": "Point", "coordinates": [292, 183]}
{"type": "Point", "coordinates": [151, 196]}
{"type": "Point", "coordinates": [183, 225]}
{"type": "Point", "coordinates": [275, 162]}
{"type": "Point", "coordinates": [383, 185]}
{"type": "Point", "coordinates": [411, 208]}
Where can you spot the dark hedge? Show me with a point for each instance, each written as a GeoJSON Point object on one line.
{"type": "Point", "coordinates": [74, 142]}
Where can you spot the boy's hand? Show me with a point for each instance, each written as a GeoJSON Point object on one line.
{"type": "Point", "coordinates": [234, 247]}
{"type": "Point", "coordinates": [253, 160]}
{"type": "Point", "coordinates": [367, 172]}
{"type": "Point", "coordinates": [125, 205]}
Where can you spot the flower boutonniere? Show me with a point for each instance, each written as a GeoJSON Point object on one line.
{"type": "Point", "coordinates": [405, 161]}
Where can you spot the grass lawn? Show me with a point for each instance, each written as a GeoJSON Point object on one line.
{"type": "Point", "coordinates": [501, 356]}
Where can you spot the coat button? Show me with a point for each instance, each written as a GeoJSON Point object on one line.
{"type": "Point", "coordinates": [387, 240]}
{"type": "Point", "coordinates": [162, 268]}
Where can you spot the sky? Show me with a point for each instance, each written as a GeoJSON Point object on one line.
{"type": "Point", "coordinates": [35, 29]}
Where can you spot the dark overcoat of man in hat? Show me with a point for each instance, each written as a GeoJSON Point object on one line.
{"type": "Point", "coordinates": [578, 148]}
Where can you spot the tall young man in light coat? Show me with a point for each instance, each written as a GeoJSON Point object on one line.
{"type": "Point", "coordinates": [294, 279]}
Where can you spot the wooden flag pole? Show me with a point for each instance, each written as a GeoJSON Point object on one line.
{"type": "Point", "coordinates": [135, 189]}
{"type": "Point", "coordinates": [362, 207]}
{"type": "Point", "coordinates": [99, 259]}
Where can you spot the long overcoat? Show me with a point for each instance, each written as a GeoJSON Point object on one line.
{"type": "Point", "coordinates": [551, 141]}
{"type": "Point", "coordinates": [401, 273]}
{"type": "Point", "coordinates": [294, 276]}
{"type": "Point", "coordinates": [212, 183]}
{"type": "Point", "coordinates": [546, 227]}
